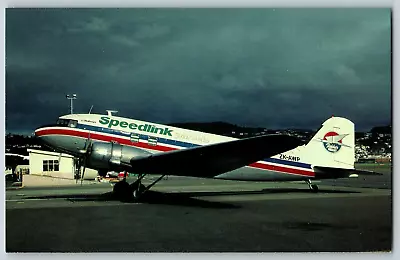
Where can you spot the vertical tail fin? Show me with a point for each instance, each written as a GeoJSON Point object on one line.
{"type": "Point", "coordinates": [332, 145]}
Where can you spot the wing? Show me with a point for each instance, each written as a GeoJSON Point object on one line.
{"type": "Point", "coordinates": [214, 159]}
{"type": "Point", "coordinates": [331, 172]}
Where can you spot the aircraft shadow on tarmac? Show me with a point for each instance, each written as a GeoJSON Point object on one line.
{"type": "Point", "coordinates": [183, 198]}
{"type": "Point", "coordinates": [150, 197]}
{"type": "Point", "coordinates": [260, 192]}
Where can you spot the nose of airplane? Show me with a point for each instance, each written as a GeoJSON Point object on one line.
{"type": "Point", "coordinates": [37, 134]}
{"type": "Point", "coordinates": [40, 134]}
{"type": "Point", "coordinates": [45, 137]}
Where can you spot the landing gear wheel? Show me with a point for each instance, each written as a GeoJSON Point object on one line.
{"type": "Point", "coordinates": [314, 187]}
{"type": "Point", "coordinates": [138, 190]}
{"type": "Point", "coordinates": [122, 190]}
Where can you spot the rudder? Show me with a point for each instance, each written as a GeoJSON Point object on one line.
{"type": "Point", "coordinates": [332, 145]}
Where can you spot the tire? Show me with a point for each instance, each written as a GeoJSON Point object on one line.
{"type": "Point", "coordinates": [138, 190]}
{"type": "Point", "coordinates": [314, 188]}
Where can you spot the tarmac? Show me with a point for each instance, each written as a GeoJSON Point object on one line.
{"type": "Point", "coordinates": [201, 215]}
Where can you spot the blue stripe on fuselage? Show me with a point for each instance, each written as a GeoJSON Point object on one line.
{"type": "Point", "coordinates": [291, 163]}
{"type": "Point", "coordinates": [177, 143]}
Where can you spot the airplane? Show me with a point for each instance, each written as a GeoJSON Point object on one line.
{"type": "Point", "coordinates": [113, 143]}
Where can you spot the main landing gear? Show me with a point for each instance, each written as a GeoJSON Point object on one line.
{"type": "Point", "coordinates": [126, 192]}
{"type": "Point", "coordinates": [313, 187]}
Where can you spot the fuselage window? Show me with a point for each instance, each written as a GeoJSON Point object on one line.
{"type": "Point", "coordinates": [152, 141]}
{"type": "Point", "coordinates": [134, 138]}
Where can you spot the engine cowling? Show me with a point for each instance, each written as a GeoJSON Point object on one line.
{"type": "Point", "coordinates": [102, 155]}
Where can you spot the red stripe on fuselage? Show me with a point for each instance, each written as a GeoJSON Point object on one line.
{"type": "Point", "coordinates": [282, 169]}
{"type": "Point", "coordinates": [106, 138]}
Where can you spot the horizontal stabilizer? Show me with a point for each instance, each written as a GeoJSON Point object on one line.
{"type": "Point", "coordinates": [332, 172]}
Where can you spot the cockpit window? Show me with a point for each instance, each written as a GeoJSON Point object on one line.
{"type": "Point", "coordinates": [72, 123]}
{"type": "Point", "coordinates": [63, 122]}
{"type": "Point", "coordinates": [67, 122]}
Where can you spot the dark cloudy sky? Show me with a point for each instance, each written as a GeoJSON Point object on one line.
{"type": "Point", "coordinates": [275, 68]}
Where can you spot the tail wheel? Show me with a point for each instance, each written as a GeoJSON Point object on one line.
{"type": "Point", "coordinates": [314, 188]}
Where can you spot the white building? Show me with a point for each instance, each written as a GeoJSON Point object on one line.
{"type": "Point", "coordinates": [55, 165]}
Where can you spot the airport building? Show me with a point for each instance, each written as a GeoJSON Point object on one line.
{"type": "Point", "coordinates": [54, 164]}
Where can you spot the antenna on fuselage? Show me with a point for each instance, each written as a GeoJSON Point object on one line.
{"type": "Point", "coordinates": [110, 112]}
{"type": "Point", "coordinates": [90, 110]}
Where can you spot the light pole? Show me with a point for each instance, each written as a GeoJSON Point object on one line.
{"type": "Point", "coordinates": [72, 104]}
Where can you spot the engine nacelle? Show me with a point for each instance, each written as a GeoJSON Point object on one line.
{"type": "Point", "coordinates": [102, 155]}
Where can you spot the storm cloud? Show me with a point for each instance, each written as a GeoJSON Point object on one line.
{"type": "Point", "coordinates": [273, 68]}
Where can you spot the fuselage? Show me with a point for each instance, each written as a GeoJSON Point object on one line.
{"type": "Point", "coordinates": [71, 133]}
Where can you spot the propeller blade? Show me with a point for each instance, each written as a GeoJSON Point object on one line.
{"type": "Point", "coordinates": [78, 166]}
{"type": "Point", "coordinates": [83, 173]}
{"type": "Point", "coordinates": [86, 153]}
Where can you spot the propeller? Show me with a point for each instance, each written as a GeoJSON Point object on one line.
{"type": "Point", "coordinates": [84, 166]}
{"type": "Point", "coordinates": [86, 153]}
{"type": "Point", "coordinates": [78, 166]}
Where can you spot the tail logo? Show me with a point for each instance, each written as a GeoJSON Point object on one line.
{"type": "Point", "coordinates": [332, 141]}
